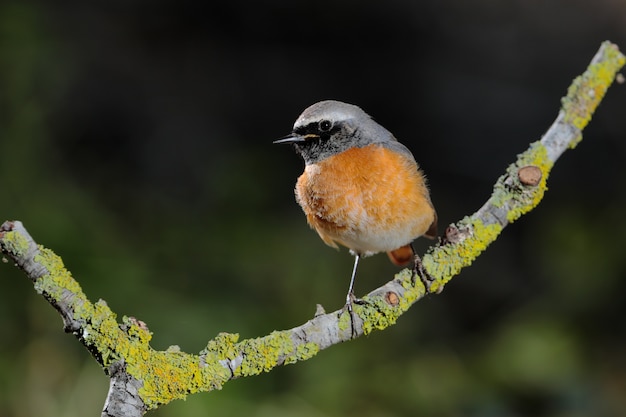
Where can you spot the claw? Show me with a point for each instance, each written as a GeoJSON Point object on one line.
{"type": "Point", "coordinates": [425, 277]}
{"type": "Point", "coordinates": [351, 299]}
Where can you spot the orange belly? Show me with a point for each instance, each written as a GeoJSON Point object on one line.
{"type": "Point", "coordinates": [368, 199]}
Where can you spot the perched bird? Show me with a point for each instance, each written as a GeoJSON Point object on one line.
{"type": "Point", "coordinates": [361, 188]}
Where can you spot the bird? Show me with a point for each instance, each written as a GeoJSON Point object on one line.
{"type": "Point", "coordinates": [361, 188]}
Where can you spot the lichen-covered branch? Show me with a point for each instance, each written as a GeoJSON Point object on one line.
{"type": "Point", "coordinates": [523, 185]}
{"type": "Point", "coordinates": [143, 378]}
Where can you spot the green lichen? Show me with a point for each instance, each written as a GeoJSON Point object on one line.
{"type": "Point", "coordinates": [344, 323]}
{"type": "Point", "coordinates": [15, 243]}
{"type": "Point", "coordinates": [303, 352]}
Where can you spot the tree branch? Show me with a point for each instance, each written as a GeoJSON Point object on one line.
{"type": "Point", "coordinates": [143, 378]}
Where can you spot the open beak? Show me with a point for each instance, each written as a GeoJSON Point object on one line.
{"type": "Point", "coordinates": [291, 138]}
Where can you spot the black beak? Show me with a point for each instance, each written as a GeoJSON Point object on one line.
{"type": "Point", "coordinates": [291, 138]}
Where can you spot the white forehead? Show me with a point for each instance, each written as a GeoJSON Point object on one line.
{"type": "Point", "coordinates": [335, 111]}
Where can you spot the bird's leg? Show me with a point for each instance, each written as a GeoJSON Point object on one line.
{"type": "Point", "coordinates": [350, 298]}
{"type": "Point", "coordinates": [418, 269]}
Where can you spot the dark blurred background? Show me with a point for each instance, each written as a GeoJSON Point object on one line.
{"type": "Point", "coordinates": [135, 141]}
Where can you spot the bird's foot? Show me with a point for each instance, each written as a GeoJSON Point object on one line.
{"type": "Point", "coordinates": [425, 277]}
{"type": "Point", "coordinates": [350, 300]}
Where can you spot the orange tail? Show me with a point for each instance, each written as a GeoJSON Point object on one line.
{"type": "Point", "coordinates": [401, 256]}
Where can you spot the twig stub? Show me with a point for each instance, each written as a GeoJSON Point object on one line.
{"type": "Point", "coordinates": [529, 175]}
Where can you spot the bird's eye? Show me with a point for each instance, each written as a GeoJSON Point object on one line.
{"type": "Point", "coordinates": [324, 125]}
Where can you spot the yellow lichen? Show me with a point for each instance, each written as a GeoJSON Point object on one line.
{"type": "Point", "coordinates": [223, 346]}
{"type": "Point", "coordinates": [519, 198]}
{"type": "Point", "coordinates": [165, 375]}
{"type": "Point", "coordinates": [172, 374]}
{"type": "Point", "coordinates": [380, 317]}
{"type": "Point", "coordinates": [413, 291]}
{"type": "Point", "coordinates": [263, 354]}
{"type": "Point", "coordinates": [587, 90]}
{"type": "Point", "coordinates": [444, 262]}
{"type": "Point", "coordinates": [58, 278]}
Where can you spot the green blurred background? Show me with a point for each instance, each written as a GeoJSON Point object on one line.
{"type": "Point", "coordinates": [135, 141]}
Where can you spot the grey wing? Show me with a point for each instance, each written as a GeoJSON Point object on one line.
{"type": "Point", "coordinates": [396, 146]}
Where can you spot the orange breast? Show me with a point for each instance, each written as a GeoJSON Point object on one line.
{"type": "Point", "coordinates": [368, 199]}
